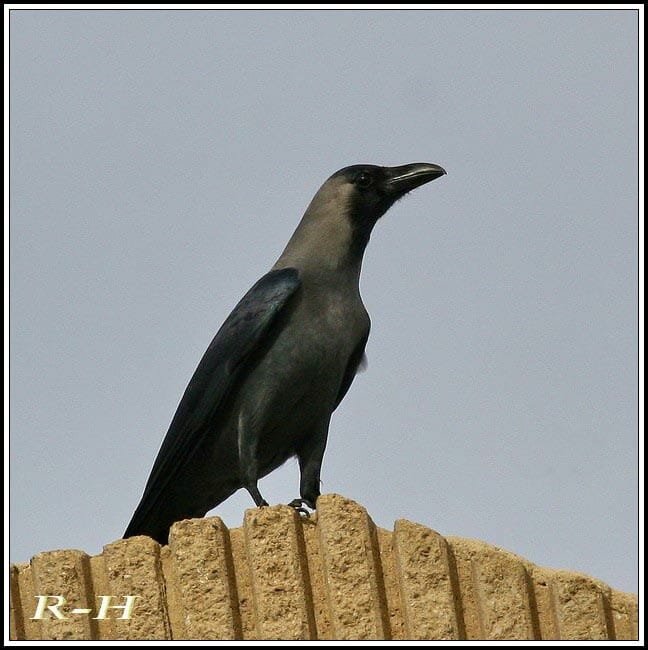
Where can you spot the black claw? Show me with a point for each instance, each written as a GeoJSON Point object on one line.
{"type": "Point", "coordinates": [298, 505]}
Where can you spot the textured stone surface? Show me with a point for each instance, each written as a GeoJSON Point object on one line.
{"type": "Point", "coordinates": [16, 627]}
{"type": "Point", "coordinates": [133, 568]}
{"type": "Point", "coordinates": [579, 602]}
{"type": "Point", "coordinates": [64, 573]}
{"type": "Point", "coordinates": [281, 588]}
{"type": "Point", "coordinates": [499, 589]}
{"type": "Point", "coordinates": [333, 575]}
{"type": "Point", "coordinates": [426, 583]}
{"type": "Point", "coordinates": [542, 605]}
{"type": "Point", "coordinates": [204, 578]}
{"type": "Point", "coordinates": [624, 610]}
{"type": "Point", "coordinates": [354, 589]}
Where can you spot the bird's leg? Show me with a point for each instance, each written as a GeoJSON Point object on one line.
{"type": "Point", "coordinates": [248, 466]}
{"type": "Point", "coordinates": [256, 495]}
{"type": "Point", "coordinates": [310, 462]}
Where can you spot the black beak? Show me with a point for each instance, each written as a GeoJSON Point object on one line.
{"type": "Point", "coordinates": [405, 178]}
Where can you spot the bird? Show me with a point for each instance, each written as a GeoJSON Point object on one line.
{"type": "Point", "coordinates": [281, 363]}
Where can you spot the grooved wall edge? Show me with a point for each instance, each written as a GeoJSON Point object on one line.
{"type": "Point", "coordinates": [334, 575]}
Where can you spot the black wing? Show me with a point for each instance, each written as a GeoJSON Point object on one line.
{"type": "Point", "coordinates": [352, 368]}
{"type": "Point", "coordinates": [242, 333]}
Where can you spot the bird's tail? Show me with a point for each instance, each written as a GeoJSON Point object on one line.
{"type": "Point", "coordinates": [155, 522]}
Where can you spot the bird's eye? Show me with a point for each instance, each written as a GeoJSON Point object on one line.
{"type": "Point", "coordinates": [363, 179]}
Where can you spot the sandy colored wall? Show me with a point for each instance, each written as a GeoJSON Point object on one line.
{"type": "Point", "coordinates": [331, 576]}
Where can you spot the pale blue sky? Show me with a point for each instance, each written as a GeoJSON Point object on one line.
{"type": "Point", "coordinates": [159, 163]}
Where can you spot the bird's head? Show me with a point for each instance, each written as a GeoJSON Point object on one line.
{"type": "Point", "coordinates": [339, 220]}
{"type": "Point", "coordinates": [371, 190]}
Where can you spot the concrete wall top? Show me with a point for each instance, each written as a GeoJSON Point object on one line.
{"type": "Point", "coordinates": [334, 575]}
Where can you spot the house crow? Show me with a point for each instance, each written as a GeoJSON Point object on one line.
{"type": "Point", "coordinates": [281, 363]}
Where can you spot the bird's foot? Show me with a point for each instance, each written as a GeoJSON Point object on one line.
{"type": "Point", "coordinates": [298, 505]}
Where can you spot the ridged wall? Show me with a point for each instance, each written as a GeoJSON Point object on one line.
{"type": "Point", "coordinates": [331, 576]}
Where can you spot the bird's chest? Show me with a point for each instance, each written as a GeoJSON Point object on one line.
{"type": "Point", "coordinates": [300, 376]}
{"type": "Point", "coordinates": [323, 333]}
